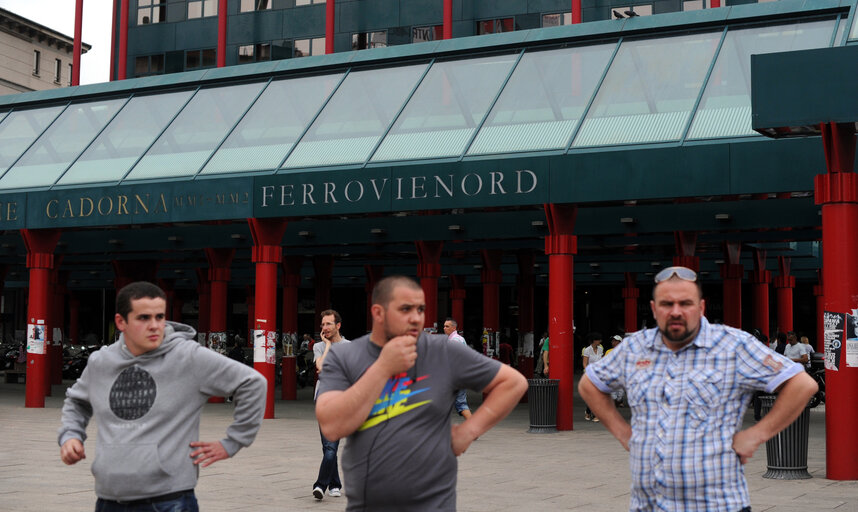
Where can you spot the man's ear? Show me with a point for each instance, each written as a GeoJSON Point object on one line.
{"type": "Point", "coordinates": [377, 313]}
{"type": "Point", "coordinates": [121, 324]}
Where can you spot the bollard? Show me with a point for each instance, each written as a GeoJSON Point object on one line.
{"type": "Point", "coordinates": [542, 404]}
{"type": "Point", "coordinates": [786, 452]}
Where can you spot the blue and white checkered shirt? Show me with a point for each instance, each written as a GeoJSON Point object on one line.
{"type": "Point", "coordinates": [686, 407]}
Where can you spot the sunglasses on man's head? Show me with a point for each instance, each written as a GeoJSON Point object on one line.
{"type": "Point", "coordinates": [684, 273]}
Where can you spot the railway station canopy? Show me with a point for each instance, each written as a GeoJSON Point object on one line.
{"type": "Point", "coordinates": [644, 123]}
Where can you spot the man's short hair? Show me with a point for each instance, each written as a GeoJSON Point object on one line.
{"type": "Point", "coordinates": [593, 336]}
{"type": "Point", "coordinates": [452, 322]}
{"type": "Point", "coordinates": [134, 291]}
{"type": "Point", "coordinates": [382, 292]}
{"type": "Point", "coordinates": [337, 318]}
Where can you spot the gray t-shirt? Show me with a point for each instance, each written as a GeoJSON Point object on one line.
{"type": "Point", "coordinates": [401, 459]}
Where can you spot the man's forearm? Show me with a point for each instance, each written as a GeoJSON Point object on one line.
{"type": "Point", "coordinates": [340, 413]}
{"type": "Point", "coordinates": [791, 400]}
{"type": "Point", "coordinates": [502, 395]}
{"type": "Point", "coordinates": [603, 407]}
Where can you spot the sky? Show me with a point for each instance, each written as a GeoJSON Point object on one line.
{"type": "Point", "coordinates": [58, 15]}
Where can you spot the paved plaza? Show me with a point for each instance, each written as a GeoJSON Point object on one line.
{"type": "Point", "coordinates": [505, 470]}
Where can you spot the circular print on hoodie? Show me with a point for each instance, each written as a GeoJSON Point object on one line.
{"type": "Point", "coordinates": [132, 394]}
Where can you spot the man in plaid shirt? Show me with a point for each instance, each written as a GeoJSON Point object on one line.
{"type": "Point", "coordinates": [688, 383]}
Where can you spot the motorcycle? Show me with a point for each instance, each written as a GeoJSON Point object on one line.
{"type": "Point", "coordinates": [817, 371]}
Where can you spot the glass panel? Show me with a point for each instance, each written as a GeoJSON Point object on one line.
{"type": "Point", "coordinates": [20, 129]}
{"type": "Point", "coordinates": [543, 101]}
{"type": "Point", "coordinates": [449, 105]}
{"type": "Point", "coordinates": [853, 34]}
{"type": "Point", "coordinates": [302, 47]}
{"type": "Point", "coordinates": [196, 132]}
{"type": "Point", "coordinates": [125, 139]}
{"type": "Point", "coordinates": [195, 9]}
{"type": "Point", "coordinates": [725, 109]}
{"type": "Point", "coordinates": [52, 153]}
{"type": "Point", "coordinates": [265, 135]}
{"type": "Point", "coordinates": [649, 91]}
{"type": "Point", "coordinates": [356, 117]}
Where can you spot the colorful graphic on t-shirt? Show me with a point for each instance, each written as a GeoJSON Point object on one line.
{"type": "Point", "coordinates": [392, 401]}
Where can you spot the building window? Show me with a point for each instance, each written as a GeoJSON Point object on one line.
{"type": "Point", "coordinates": [254, 53]}
{"type": "Point", "coordinates": [198, 59]}
{"type": "Point", "coordinates": [495, 26]}
{"type": "Point", "coordinates": [37, 62]}
{"type": "Point", "coordinates": [149, 65]}
{"type": "Point", "coordinates": [364, 40]}
{"type": "Point", "coordinates": [307, 47]}
{"type": "Point", "coordinates": [423, 34]}
{"type": "Point", "coordinates": [627, 12]}
{"type": "Point", "coordinates": [557, 19]}
{"type": "Point", "coordinates": [151, 11]}
{"type": "Point", "coordinates": [308, 2]}
{"type": "Point", "coordinates": [58, 70]}
{"type": "Point", "coordinates": [202, 8]}
{"type": "Point", "coordinates": [254, 5]}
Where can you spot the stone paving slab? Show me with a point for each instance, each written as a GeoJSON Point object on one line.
{"type": "Point", "coordinates": [505, 470]}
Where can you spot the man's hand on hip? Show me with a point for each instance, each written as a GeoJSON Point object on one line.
{"type": "Point", "coordinates": [745, 443]}
{"type": "Point", "coordinates": [208, 453]}
{"type": "Point", "coordinates": [460, 438]}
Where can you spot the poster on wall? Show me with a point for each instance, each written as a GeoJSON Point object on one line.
{"type": "Point", "coordinates": [835, 324]}
{"type": "Point", "coordinates": [36, 337]}
{"type": "Point", "coordinates": [850, 347]}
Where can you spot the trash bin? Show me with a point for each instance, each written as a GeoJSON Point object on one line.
{"type": "Point", "coordinates": [542, 403]}
{"type": "Point", "coordinates": [786, 452]}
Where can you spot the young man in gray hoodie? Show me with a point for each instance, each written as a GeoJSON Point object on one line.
{"type": "Point", "coordinates": [146, 392]}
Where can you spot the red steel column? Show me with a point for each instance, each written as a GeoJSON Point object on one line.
{"type": "Point", "coordinates": [267, 254]}
{"type": "Point", "coordinates": [525, 314]}
{"type": "Point", "coordinates": [78, 35]}
{"type": "Point", "coordinates": [374, 273]}
{"type": "Point", "coordinates": [760, 279]}
{"type": "Point", "coordinates": [429, 270]}
{"type": "Point", "coordinates": [686, 244]}
{"type": "Point", "coordinates": [837, 192]}
{"type": "Point", "coordinates": [291, 282]}
{"type": "Point", "coordinates": [221, 33]}
{"type": "Point", "coordinates": [560, 246]}
{"type": "Point", "coordinates": [820, 315]}
{"type": "Point", "coordinates": [219, 274]}
{"type": "Point", "coordinates": [714, 4]}
{"type": "Point", "coordinates": [58, 321]}
{"type": "Point", "coordinates": [40, 260]}
{"type": "Point", "coordinates": [491, 278]}
{"type": "Point", "coordinates": [113, 42]}
{"type": "Point", "coordinates": [576, 14]}
{"type": "Point", "coordinates": [631, 293]}
{"type": "Point", "coordinates": [732, 274]}
{"type": "Point", "coordinates": [448, 19]}
{"type": "Point", "coordinates": [457, 297]}
{"type": "Point", "coordinates": [784, 284]}
{"type": "Point", "coordinates": [123, 40]}
{"type": "Point", "coordinates": [330, 11]}
{"type": "Point", "coordinates": [204, 293]}
{"type": "Point", "coordinates": [323, 266]}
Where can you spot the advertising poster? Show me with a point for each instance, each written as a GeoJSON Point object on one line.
{"type": "Point", "coordinates": [36, 337]}
{"type": "Point", "coordinates": [835, 324]}
{"type": "Point", "coordinates": [850, 349]}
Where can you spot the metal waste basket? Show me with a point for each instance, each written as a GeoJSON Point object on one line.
{"type": "Point", "coordinates": [542, 403]}
{"type": "Point", "coordinates": [786, 452]}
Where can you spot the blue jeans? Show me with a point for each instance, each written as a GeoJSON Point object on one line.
{"type": "Point", "coordinates": [329, 474]}
{"type": "Point", "coordinates": [186, 503]}
{"type": "Point", "coordinates": [461, 401]}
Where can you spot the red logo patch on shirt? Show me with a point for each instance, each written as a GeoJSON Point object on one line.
{"type": "Point", "coordinates": [643, 364]}
{"type": "Point", "coordinates": [772, 363]}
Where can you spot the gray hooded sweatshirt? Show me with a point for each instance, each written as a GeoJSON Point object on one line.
{"type": "Point", "coordinates": [148, 412]}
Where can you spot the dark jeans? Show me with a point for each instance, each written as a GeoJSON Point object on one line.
{"type": "Point", "coordinates": [186, 503]}
{"type": "Point", "coordinates": [329, 474]}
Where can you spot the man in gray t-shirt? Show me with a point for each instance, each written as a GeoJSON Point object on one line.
{"type": "Point", "coordinates": [391, 392]}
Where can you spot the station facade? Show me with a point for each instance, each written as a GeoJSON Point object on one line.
{"type": "Point", "coordinates": [533, 181]}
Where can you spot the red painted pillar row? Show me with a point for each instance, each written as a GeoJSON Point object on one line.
{"type": "Point", "coordinates": [221, 33]}
{"type": "Point", "coordinates": [78, 37]}
{"type": "Point", "coordinates": [330, 13]}
{"type": "Point", "coordinates": [784, 285]}
{"type": "Point", "coordinates": [491, 278]}
{"type": "Point", "coordinates": [686, 244]}
{"type": "Point", "coordinates": [428, 271]}
{"type": "Point", "coordinates": [837, 192]}
{"type": "Point", "coordinates": [219, 274]}
{"type": "Point", "coordinates": [631, 293]}
{"type": "Point", "coordinates": [760, 280]}
{"type": "Point", "coordinates": [576, 12]}
{"type": "Point", "coordinates": [267, 255]}
{"type": "Point", "coordinates": [731, 274]}
{"type": "Point", "coordinates": [291, 282]}
{"type": "Point", "coordinates": [40, 260]}
{"type": "Point", "coordinates": [525, 314]}
{"type": "Point", "coordinates": [448, 19]}
{"type": "Point", "coordinates": [560, 246]}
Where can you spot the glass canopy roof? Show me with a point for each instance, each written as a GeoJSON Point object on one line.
{"type": "Point", "coordinates": [635, 90]}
